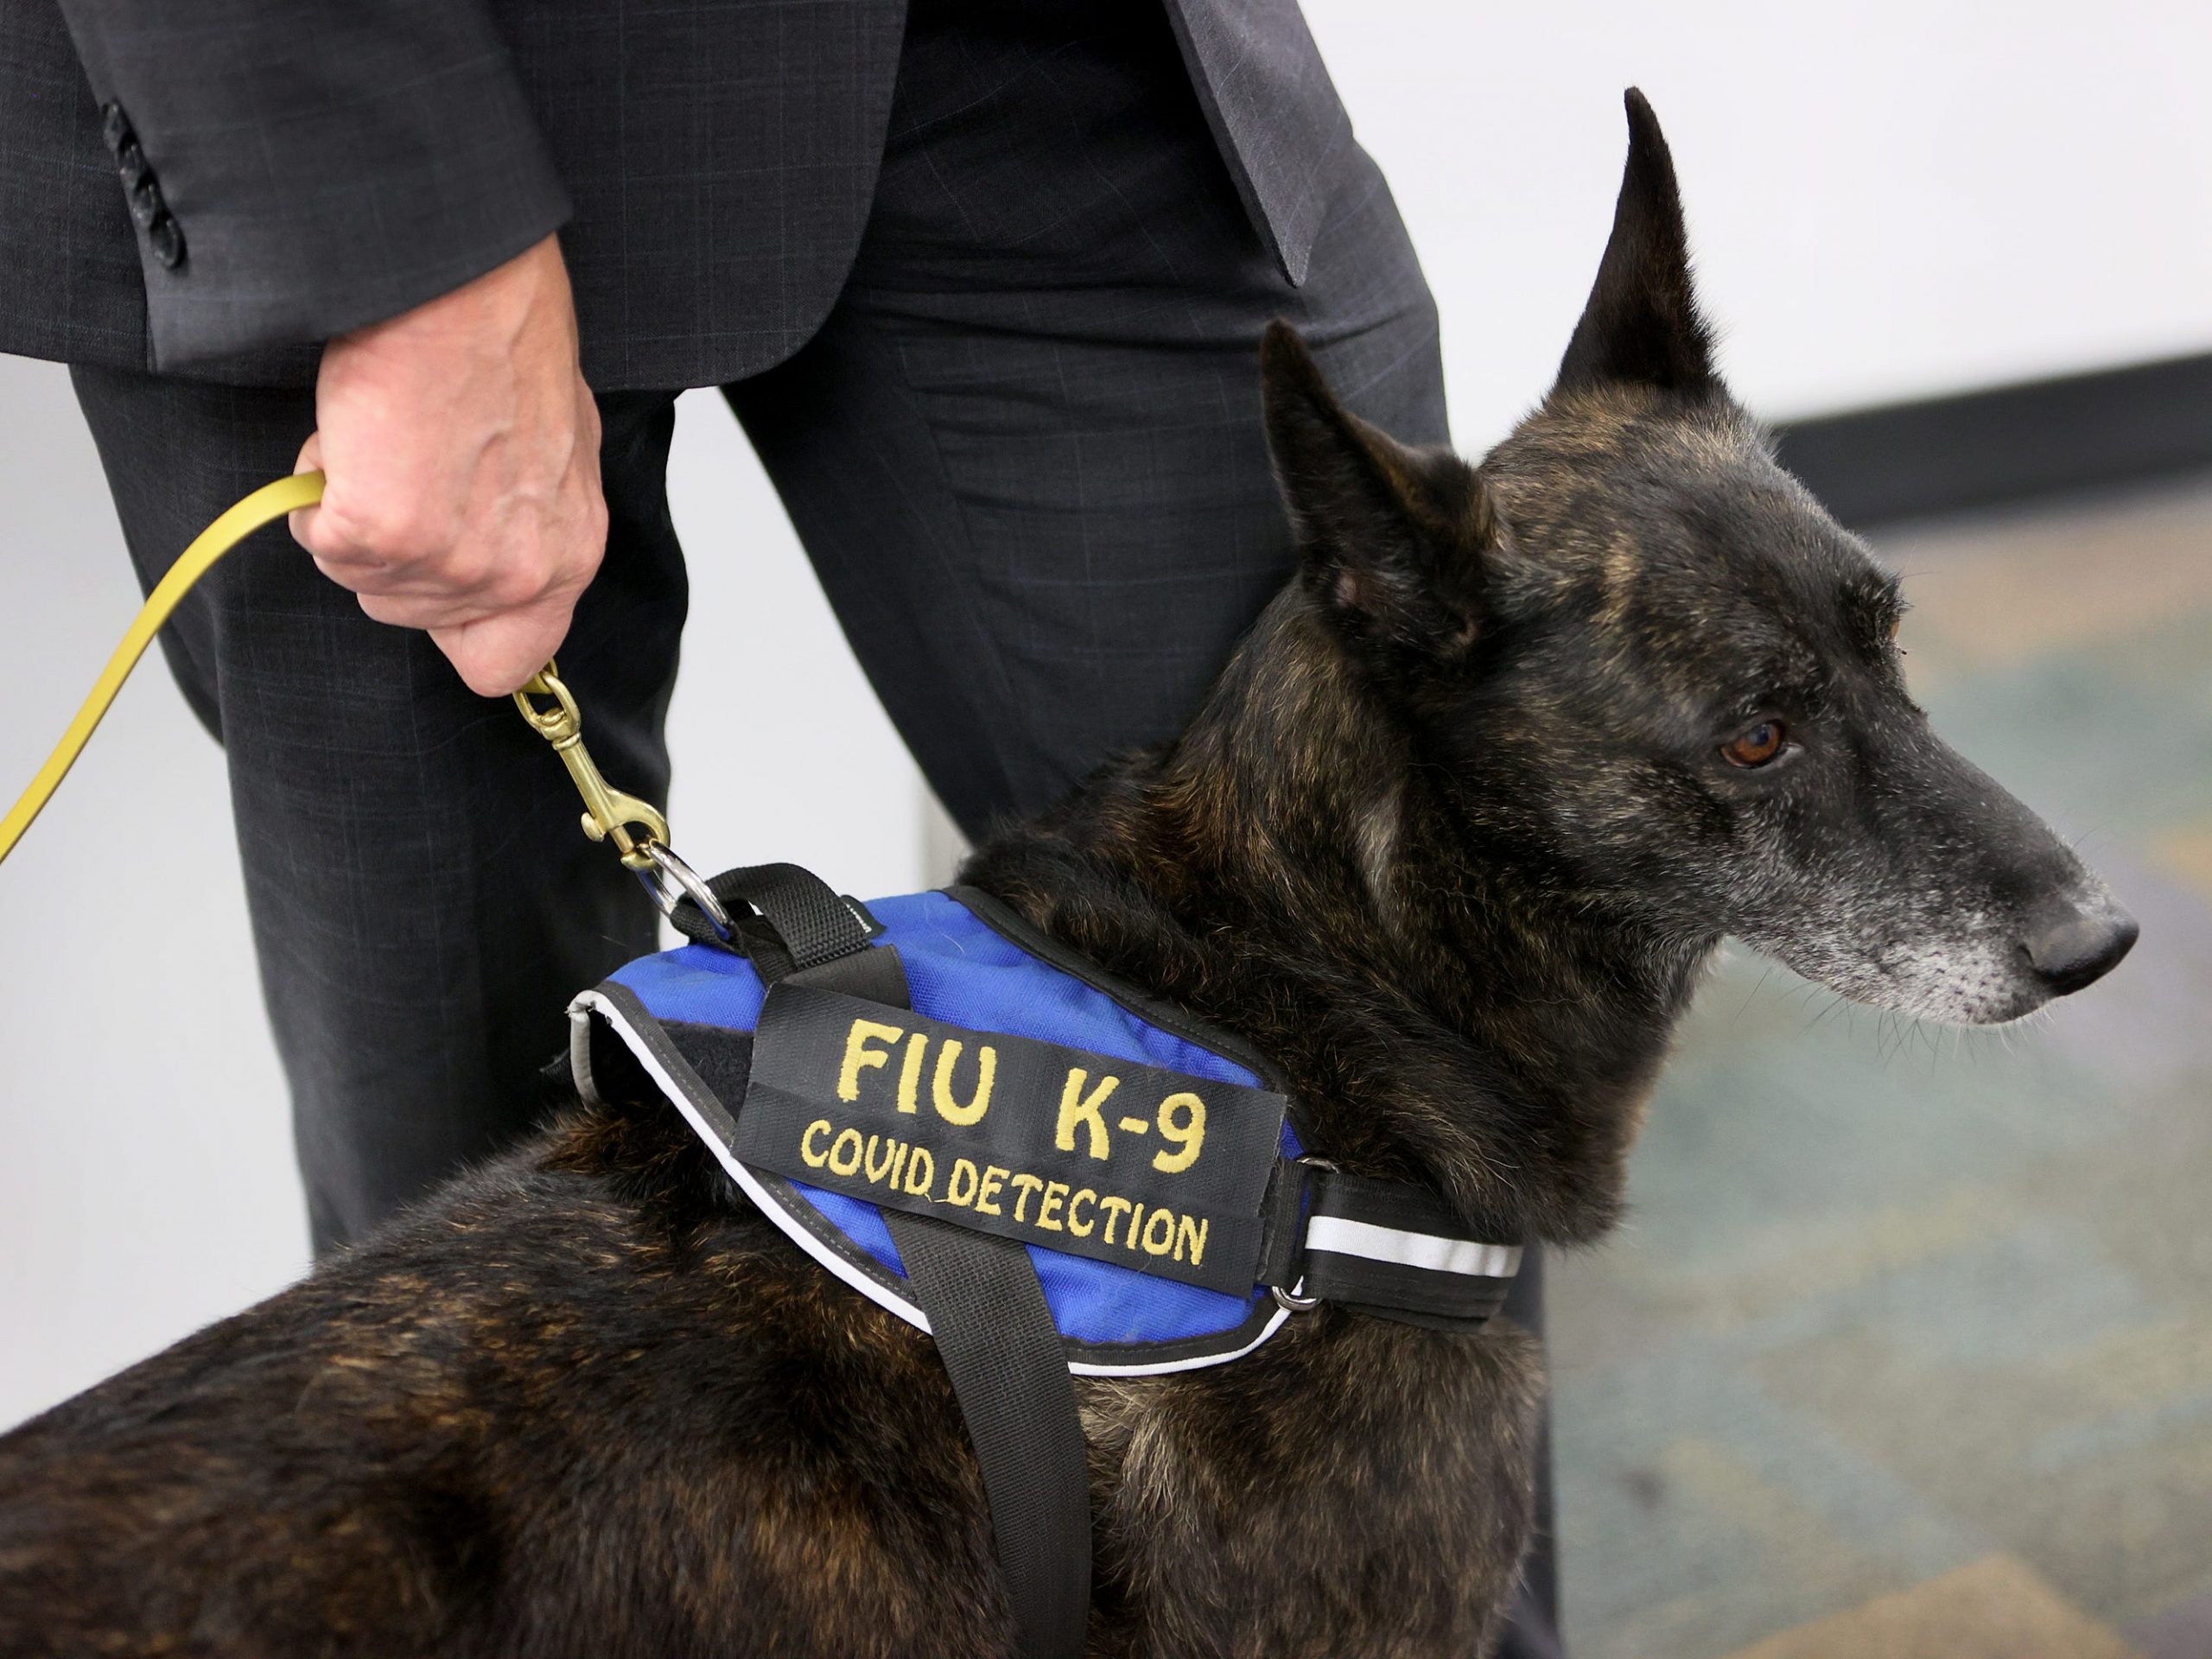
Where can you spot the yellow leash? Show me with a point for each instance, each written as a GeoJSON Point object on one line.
{"type": "Point", "coordinates": [609, 814]}
{"type": "Point", "coordinates": [264, 507]}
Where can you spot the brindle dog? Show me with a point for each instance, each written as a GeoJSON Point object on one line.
{"type": "Point", "coordinates": [1450, 840]}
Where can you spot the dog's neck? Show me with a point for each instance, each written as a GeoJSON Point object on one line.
{"type": "Point", "coordinates": [1290, 869]}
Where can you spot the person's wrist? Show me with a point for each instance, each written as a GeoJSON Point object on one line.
{"type": "Point", "coordinates": [489, 315]}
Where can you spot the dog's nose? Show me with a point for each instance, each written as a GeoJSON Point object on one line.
{"type": "Point", "coordinates": [2071, 944]}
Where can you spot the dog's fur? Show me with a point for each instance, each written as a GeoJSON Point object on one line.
{"type": "Point", "coordinates": [1450, 842]}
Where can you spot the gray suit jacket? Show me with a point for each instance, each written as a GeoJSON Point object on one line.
{"type": "Point", "coordinates": [213, 187]}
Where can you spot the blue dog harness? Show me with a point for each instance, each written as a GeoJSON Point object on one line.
{"type": "Point", "coordinates": [952, 1113]}
{"type": "Point", "coordinates": [1122, 1310]}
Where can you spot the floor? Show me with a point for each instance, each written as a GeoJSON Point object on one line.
{"type": "Point", "coordinates": [1906, 1351]}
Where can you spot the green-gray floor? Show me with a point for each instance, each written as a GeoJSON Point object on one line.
{"type": "Point", "coordinates": [1906, 1349]}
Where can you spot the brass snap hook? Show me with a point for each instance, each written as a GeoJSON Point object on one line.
{"type": "Point", "coordinates": [610, 815]}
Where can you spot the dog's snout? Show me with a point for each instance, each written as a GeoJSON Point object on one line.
{"type": "Point", "coordinates": [2071, 943]}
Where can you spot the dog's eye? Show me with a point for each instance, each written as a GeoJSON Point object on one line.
{"type": "Point", "coordinates": [1757, 746]}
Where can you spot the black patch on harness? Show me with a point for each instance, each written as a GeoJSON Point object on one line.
{"type": "Point", "coordinates": [1103, 1158]}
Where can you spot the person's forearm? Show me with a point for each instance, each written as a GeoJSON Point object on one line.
{"type": "Point", "coordinates": [298, 168]}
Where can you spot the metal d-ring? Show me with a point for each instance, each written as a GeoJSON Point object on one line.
{"type": "Point", "coordinates": [669, 868]}
{"type": "Point", "coordinates": [1289, 1300]}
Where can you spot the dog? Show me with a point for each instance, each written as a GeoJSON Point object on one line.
{"type": "Point", "coordinates": [1450, 841]}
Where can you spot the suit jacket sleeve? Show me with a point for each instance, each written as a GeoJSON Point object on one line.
{"type": "Point", "coordinates": [298, 168]}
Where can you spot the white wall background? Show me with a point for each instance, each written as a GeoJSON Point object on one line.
{"type": "Point", "coordinates": [1888, 199]}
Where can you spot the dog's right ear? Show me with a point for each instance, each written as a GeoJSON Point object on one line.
{"type": "Point", "coordinates": [1393, 541]}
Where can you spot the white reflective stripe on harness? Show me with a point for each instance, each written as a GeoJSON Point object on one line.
{"type": "Point", "coordinates": [1340, 1236]}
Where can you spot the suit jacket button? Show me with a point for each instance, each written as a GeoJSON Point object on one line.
{"type": "Point", "coordinates": [168, 240]}
{"type": "Point", "coordinates": [114, 127]}
{"type": "Point", "coordinates": [130, 162]}
{"type": "Point", "coordinates": [146, 204]}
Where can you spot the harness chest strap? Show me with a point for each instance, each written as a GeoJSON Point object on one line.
{"type": "Point", "coordinates": [987, 1314]}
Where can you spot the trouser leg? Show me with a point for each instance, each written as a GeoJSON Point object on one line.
{"type": "Point", "coordinates": [1025, 451]}
{"type": "Point", "coordinates": [424, 904]}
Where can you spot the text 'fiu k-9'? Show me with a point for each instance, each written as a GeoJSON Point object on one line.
{"type": "Point", "coordinates": [1101, 1157]}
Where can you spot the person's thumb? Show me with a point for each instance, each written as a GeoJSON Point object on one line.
{"type": "Point", "coordinates": [302, 519]}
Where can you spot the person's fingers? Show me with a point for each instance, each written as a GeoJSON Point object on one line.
{"type": "Point", "coordinates": [494, 652]}
{"type": "Point", "coordinates": [422, 610]}
{"type": "Point", "coordinates": [435, 581]}
{"type": "Point", "coordinates": [472, 581]}
{"type": "Point", "coordinates": [432, 554]}
{"type": "Point", "coordinates": [499, 654]}
{"type": "Point", "coordinates": [379, 525]}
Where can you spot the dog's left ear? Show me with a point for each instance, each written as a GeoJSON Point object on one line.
{"type": "Point", "coordinates": [1392, 540]}
{"type": "Point", "coordinates": [1642, 325]}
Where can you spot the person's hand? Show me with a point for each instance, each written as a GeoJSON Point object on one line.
{"type": "Point", "coordinates": [460, 446]}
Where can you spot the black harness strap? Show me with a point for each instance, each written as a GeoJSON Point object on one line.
{"type": "Point", "coordinates": [1402, 1253]}
{"type": "Point", "coordinates": [785, 917]}
{"type": "Point", "coordinates": [999, 1344]}
{"type": "Point", "coordinates": [1381, 1248]}
{"type": "Point", "coordinates": [986, 1309]}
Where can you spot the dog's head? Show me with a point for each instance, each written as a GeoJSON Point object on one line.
{"type": "Point", "coordinates": [1644, 660]}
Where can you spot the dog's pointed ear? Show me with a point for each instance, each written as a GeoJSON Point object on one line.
{"type": "Point", "coordinates": [1392, 540]}
{"type": "Point", "coordinates": [1641, 324]}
